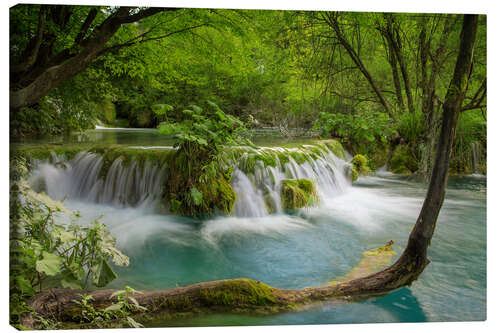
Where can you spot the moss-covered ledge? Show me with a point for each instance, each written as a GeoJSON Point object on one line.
{"type": "Point", "coordinates": [298, 193]}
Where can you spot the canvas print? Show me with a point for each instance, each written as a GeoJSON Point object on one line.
{"type": "Point", "coordinates": [212, 167]}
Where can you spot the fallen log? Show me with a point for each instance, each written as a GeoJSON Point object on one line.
{"type": "Point", "coordinates": [232, 295]}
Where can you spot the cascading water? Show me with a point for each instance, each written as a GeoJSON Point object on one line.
{"type": "Point", "coordinates": [79, 178]}
{"type": "Point", "coordinates": [132, 184]}
{"type": "Point", "coordinates": [292, 251]}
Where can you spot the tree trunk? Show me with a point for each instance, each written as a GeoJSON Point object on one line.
{"type": "Point", "coordinates": [395, 74]}
{"type": "Point", "coordinates": [332, 21]}
{"type": "Point", "coordinates": [395, 43]}
{"type": "Point", "coordinates": [429, 98]}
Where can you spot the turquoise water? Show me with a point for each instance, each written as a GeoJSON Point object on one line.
{"type": "Point", "coordinates": [314, 247]}
{"type": "Point", "coordinates": [309, 249]}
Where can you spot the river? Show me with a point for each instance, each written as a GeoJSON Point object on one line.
{"type": "Point", "coordinates": [309, 248]}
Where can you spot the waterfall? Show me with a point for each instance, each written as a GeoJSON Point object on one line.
{"type": "Point", "coordinates": [131, 183]}
{"type": "Point", "coordinates": [476, 156]}
{"type": "Point", "coordinates": [258, 193]}
{"type": "Point", "coordinates": [80, 178]}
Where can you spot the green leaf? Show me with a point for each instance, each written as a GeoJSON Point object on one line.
{"type": "Point", "coordinates": [50, 264]}
{"type": "Point", "coordinates": [70, 283]}
{"type": "Point", "coordinates": [118, 293]}
{"type": "Point", "coordinates": [107, 245]}
{"type": "Point", "coordinates": [103, 273]}
{"type": "Point", "coordinates": [197, 196]}
{"type": "Point", "coordinates": [114, 307]}
{"type": "Point", "coordinates": [133, 323]}
{"type": "Point", "coordinates": [162, 109]}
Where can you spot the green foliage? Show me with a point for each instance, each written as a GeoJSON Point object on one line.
{"type": "Point", "coordinates": [115, 315]}
{"type": "Point", "coordinates": [106, 111]}
{"type": "Point", "coordinates": [202, 138]}
{"type": "Point", "coordinates": [268, 68]}
{"type": "Point", "coordinates": [364, 127]}
{"type": "Point", "coordinates": [469, 146]}
{"type": "Point", "coordinates": [53, 255]}
{"type": "Point", "coordinates": [44, 118]}
{"type": "Point", "coordinates": [403, 160]}
{"type": "Point", "coordinates": [411, 127]}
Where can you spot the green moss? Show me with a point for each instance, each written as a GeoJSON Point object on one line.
{"type": "Point", "coordinates": [129, 155]}
{"type": "Point", "coordinates": [360, 165]}
{"type": "Point", "coordinates": [217, 193]}
{"type": "Point", "coordinates": [268, 158]}
{"type": "Point", "coordinates": [238, 293]}
{"type": "Point", "coordinates": [299, 157]}
{"type": "Point", "coordinates": [386, 249]}
{"type": "Point", "coordinates": [265, 158]}
{"type": "Point", "coordinates": [297, 193]}
{"type": "Point", "coordinates": [403, 161]}
{"type": "Point", "coordinates": [283, 158]}
{"type": "Point", "coordinates": [335, 147]}
{"type": "Point", "coordinates": [354, 175]}
{"type": "Point", "coordinates": [43, 152]}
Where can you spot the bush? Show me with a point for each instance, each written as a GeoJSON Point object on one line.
{"type": "Point", "coordinates": [198, 177]}
{"type": "Point", "coordinates": [411, 127]}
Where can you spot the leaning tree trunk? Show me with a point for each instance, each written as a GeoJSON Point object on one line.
{"type": "Point", "coordinates": [248, 294]}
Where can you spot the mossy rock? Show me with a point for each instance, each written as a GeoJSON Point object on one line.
{"type": "Point", "coordinates": [189, 194]}
{"type": "Point", "coordinates": [217, 193]}
{"type": "Point", "coordinates": [335, 147]}
{"type": "Point", "coordinates": [403, 161]}
{"type": "Point", "coordinates": [359, 166]}
{"type": "Point", "coordinates": [253, 158]}
{"type": "Point", "coordinates": [298, 193]}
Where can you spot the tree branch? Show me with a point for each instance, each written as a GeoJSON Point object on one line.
{"type": "Point", "coordinates": [137, 40]}
{"type": "Point", "coordinates": [69, 64]}
{"type": "Point", "coordinates": [86, 25]}
{"type": "Point", "coordinates": [31, 52]}
{"type": "Point", "coordinates": [478, 98]}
